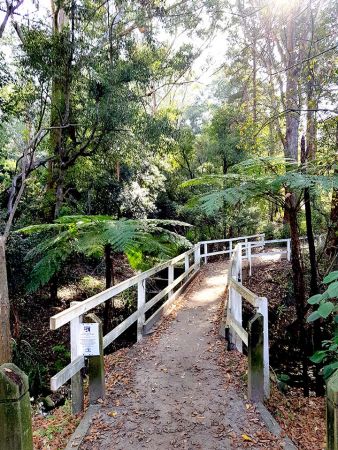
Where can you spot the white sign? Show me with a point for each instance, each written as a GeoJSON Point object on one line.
{"type": "Point", "coordinates": [89, 339]}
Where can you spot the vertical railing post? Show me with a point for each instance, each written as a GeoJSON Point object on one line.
{"type": "Point", "coordinates": [197, 255]}
{"type": "Point", "coordinates": [332, 412]}
{"type": "Point", "coordinates": [236, 299]}
{"type": "Point", "coordinates": [186, 263]}
{"type": "Point", "coordinates": [96, 365]}
{"type": "Point", "coordinates": [246, 247]}
{"type": "Point", "coordinates": [263, 309]}
{"type": "Point", "coordinates": [205, 253]}
{"type": "Point", "coordinates": [141, 300]}
{"type": "Point", "coordinates": [170, 278]}
{"type": "Point", "coordinates": [249, 258]}
{"type": "Point", "coordinates": [288, 251]}
{"type": "Point", "coordinates": [75, 351]}
{"type": "Point", "coordinates": [230, 249]}
{"type": "Point", "coordinates": [255, 359]}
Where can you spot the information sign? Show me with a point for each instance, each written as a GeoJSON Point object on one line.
{"type": "Point", "coordinates": [89, 339]}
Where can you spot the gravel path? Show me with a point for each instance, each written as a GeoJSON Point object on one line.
{"type": "Point", "coordinates": [171, 392]}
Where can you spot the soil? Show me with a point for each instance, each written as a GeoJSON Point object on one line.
{"type": "Point", "coordinates": [175, 388]}
{"type": "Point", "coordinates": [41, 352]}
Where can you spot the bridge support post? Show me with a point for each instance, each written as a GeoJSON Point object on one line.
{"type": "Point", "coordinates": [197, 255]}
{"type": "Point", "coordinates": [255, 359]}
{"type": "Point", "coordinates": [288, 249]}
{"type": "Point", "coordinates": [75, 351]}
{"type": "Point", "coordinates": [263, 309]}
{"type": "Point", "coordinates": [332, 412]}
{"type": "Point", "coordinates": [96, 366]}
{"type": "Point", "coordinates": [170, 279]}
{"type": "Point", "coordinates": [186, 263]}
{"type": "Point", "coordinates": [141, 301]}
{"type": "Point", "coordinates": [15, 410]}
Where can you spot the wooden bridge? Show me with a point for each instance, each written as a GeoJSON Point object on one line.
{"type": "Point", "coordinates": [179, 391]}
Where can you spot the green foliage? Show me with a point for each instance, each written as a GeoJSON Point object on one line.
{"type": "Point", "coordinates": [256, 178]}
{"type": "Point", "coordinates": [88, 235]}
{"type": "Point", "coordinates": [26, 357]}
{"type": "Point", "coordinates": [62, 356]}
{"type": "Point", "coordinates": [328, 307]}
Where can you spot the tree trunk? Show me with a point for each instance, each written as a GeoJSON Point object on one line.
{"type": "Point", "coordinates": [309, 229]}
{"type": "Point", "coordinates": [332, 238]}
{"type": "Point", "coordinates": [299, 289]}
{"type": "Point", "coordinates": [60, 110]}
{"type": "Point", "coordinates": [109, 305]}
{"type": "Point", "coordinates": [5, 329]}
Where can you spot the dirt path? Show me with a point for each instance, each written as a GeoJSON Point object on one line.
{"type": "Point", "coordinates": [172, 391]}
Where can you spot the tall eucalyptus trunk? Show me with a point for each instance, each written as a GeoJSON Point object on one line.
{"type": "Point", "coordinates": [332, 238]}
{"type": "Point", "coordinates": [60, 108]}
{"type": "Point", "coordinates": [5, 331]}
{"type": "Point", "coordinates": [292, 103]}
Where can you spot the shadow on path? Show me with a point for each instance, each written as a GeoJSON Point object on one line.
{"type": "Point", "coordinates": [177, 396]}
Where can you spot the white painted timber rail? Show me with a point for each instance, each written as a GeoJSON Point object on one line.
{"type": "Point", "coordinates": [244, 248]}
{"type": "Point", "coordinates": [77, 310]}
{"type": "Point", "coordinates": [236, 294]}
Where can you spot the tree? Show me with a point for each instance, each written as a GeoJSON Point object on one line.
{"type": "Point", "coordinates": [100, 236]}
{"type": "Point", "coordinates": [270, 178]}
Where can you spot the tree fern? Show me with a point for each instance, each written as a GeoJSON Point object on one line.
{"type": "Point", "coordinates": [88, 235]}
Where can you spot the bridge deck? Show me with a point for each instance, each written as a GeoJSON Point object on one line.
{"type": "Point", "coordinates": [172, 391]}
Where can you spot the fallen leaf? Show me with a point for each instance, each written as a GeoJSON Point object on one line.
{"type": "Point", "coordinates": [246, 437]}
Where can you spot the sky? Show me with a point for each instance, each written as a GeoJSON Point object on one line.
{"type": "Point", "coordinates": [204, 66]}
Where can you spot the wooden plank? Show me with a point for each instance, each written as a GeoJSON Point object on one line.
{"type": "Point", "coordinates": [66, 373]}
{"type": "Point", "coordinates": [222, 252]}
{"type": "Point", "coordinates": [166, 307]}
{"type": "Point", "coordinates": [83, 307]}
{"type": "Point", "coordinates": [248, 295]}
{"type": "Point", "coordinates": [237, 327]}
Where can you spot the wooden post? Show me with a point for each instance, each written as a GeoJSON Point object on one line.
{"type": "Point", "coordinates": [96, 366]}
{"type": "Point", "coordinates": [15, 410]}
{"type": "Point", "coordinates": [170, 279]}
{"type": "Point", "coordinates": [246, 247]}
{"type": "Point", "coordinates": [255, 359]}
{"type": "Point", "coordinates": [332, 412]}
{"type": "Point", "coordinates": [141, 301]}
{"type": "Point", "coordinates": [249, 258]}
{"type": "Point", "coordinates": [263, 309]}
{"type": "Point", "coordinates": [288, 252]}
{"type": "Point", "coordinates": [236, 306]}
{"type": "Point", "coordinates": [75, 352]}
{"type": "Point", "coordinates": [197, 255]}
{"type": "Point", "coordinates": [186, 263]}
{"type": "Point", "coordinates": [230, 249]}
{"type": "Point", "coordinates": [205, 252]}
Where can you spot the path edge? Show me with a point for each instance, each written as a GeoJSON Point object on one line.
{"type": "Point", "coordinates": [274, 427]}
{"type": "Point", "coordinates": [81, 430]}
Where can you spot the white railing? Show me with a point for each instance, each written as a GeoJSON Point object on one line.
{"type": "Point", "coordinates": [236, 293]}
{"type": "Point", "coordinates": [74, 314]}
{"type": "Point", "coordinates": [229, 244]}
{"type": "Point", "coordinates": [285, 250]}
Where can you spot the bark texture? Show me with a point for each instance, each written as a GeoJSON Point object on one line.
{"type": "Point", "coordinates": [5, 332]}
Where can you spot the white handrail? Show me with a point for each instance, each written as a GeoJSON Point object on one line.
{"type": "Point", "coordinates": [237, 292]}
{"type": "Point", "coordinates": [76, 311]}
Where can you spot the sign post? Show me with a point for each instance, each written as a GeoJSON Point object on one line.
{"type": "Point", "coordinates": [91, 338]}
